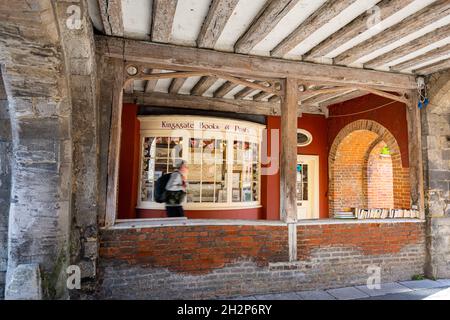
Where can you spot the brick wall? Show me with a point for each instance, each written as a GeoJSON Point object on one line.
{"type": "Point", "coordinates": [220, 261]}
{"type": "Point", "coordinates": [380, 180]}
{"type": "Point", "coordinates": [348, 177]}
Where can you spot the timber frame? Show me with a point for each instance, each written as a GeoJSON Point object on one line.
{"type": "Point", "coordinates": [290, 85]}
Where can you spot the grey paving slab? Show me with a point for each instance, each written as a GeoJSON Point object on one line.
{"type": "Point", "coordinates": [315, 295]}
{"type": "Point", "coordinates": [385, 288]}
{"type": "Point", "coordinates": [421, 284]}
{"type": "Point", "coordinates": [444, 282]}
{"type": "Point", "coordinates": [278, 296]}
{"type": "Point", "coordinates": [421, 294]}
{"type": "Point", "coordinates": [347, 293]}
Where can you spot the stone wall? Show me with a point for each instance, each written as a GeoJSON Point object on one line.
{"type": "Point", "coordinates": [5, 182]}
{"type": "Point", "coordinates": [436, 154]}
{"type": "Point", "coordinates": [201, 262]}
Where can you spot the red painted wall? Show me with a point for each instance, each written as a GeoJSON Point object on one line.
{"type": "Point", "coordinates": [392, 117]}
{"type": "Point", "coordinates": [317, 126]}
{"type": "Point", "coordinates": [128, 162]}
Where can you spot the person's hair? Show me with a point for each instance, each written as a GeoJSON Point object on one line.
{"type": "Point", "coordinates": [179, 164]}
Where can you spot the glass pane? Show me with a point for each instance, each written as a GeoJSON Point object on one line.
{"type": "Point", "coordinates": [221, 151]}
{"type": "Point", "coordinates": [221, 182]}
{"type": "Point", "coordinates": [195, 152]}
{"type": "Point", "coordinates": [255, 152]}
{"type": "Point", "coordinates": [208, 152]}
{"type": "Point", "coordinates": [147, 192]}
{"type": "Point", "coordinates": [160, 169]}
{"type": "Point", "coordinates": [221, 191]}
{"type": "Point", "coordinates": [236, 191]}
{"type": "Point", "coordinates": [255, 181]}
{"type": "Point", "coordinates": [238, 151]}
{"type": "Point", "coordinates": [248, 152]}
{"type": "Point", "coordinates": [162, 150]}
{"type": "Point", "coordinates": [305, 173]}
{"type": "Point", "coordinates": [207, 192]}
{"type": "Point", "coordinates": [195, 172]}
{"type": "Point", "coordinates": [176, 147]}
{"type": "Point", "coordinates": [148, 166]}
{"type": "Point", "coordinates": [193, 191]}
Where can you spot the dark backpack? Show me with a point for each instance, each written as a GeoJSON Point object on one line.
{"type": "Point", "coordinates": [160, 188]}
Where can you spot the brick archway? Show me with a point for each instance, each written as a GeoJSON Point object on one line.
{"type": "Point", "coordinates": [349, 189]}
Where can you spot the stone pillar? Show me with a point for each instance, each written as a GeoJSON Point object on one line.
{"type": "Point", "coordinates": [37, 88]}
{"type": "Point", "coordinates": [5, 182]}
{"type": "Point", "coordinates": [77, 40]}
{"type": "Point", "coordinates": [288, 173]}
{"type": "Point", "coordinates": [436, 153]}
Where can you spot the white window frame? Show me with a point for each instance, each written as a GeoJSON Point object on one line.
{"type": "Point", "coordinates": [306, 133]}
{"type": "Point", "coordinates": [147, 131]}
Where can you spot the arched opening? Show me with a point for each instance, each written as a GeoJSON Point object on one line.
{"type": "Point", "coordinates": [366, 170]}
{"type": "Point", "coordinates": [380, 178]}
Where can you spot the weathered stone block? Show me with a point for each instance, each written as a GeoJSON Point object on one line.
{"type": "Point", "coordinates": [90, 248]}
{"type": "Point", "coordinates": [25, 283]}
{"type": "Point", "coordinates": [88, 268]}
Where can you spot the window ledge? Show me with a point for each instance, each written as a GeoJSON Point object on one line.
{"type": "Point", "coordinates": [175, 222]}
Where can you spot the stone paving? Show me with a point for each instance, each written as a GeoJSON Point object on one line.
{"type": "Point", "coordinates": [402, 290]}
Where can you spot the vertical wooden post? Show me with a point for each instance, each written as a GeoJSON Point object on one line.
{"type": "Point", "coordinates": [288, 173]}
{"type": "Point", "coordinates": [415, 154]}
{"type": "Point", "coordinates": [114, 145]}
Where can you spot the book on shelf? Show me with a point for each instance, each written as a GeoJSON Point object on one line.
{"type": "Point", "coordinates": [378, 213]}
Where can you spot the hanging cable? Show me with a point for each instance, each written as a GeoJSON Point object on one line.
{"type": "Point", "coordinates": [361, 112]}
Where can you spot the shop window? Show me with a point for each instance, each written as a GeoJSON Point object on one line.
{"type": "Point", "coordinates": [223, 163]}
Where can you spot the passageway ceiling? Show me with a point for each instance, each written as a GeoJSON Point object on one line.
{"type": "Point", "coordinates": [396, 36]}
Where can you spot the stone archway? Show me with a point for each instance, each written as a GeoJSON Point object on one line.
{"type": "Point", "coordinates": [348, 158]}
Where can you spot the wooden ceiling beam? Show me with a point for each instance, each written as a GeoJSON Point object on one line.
{"type": "Point", "coordinates": [245, 91]}
{"type": "Point", "coordinates": [163, 13]}
{"type": "Point", "coordinates": [164, 56]}
{"type": "Point", "coordinates": [203, 85]}
{"type": "Point", "coordinates": [176, 85]}
{"type": "Point", "coordinates": [417, 44]}
{"type": "Point", "coordinates": [261, 95]}
{"type": "Point", "coordinates": [263, 24]}
{"type": "Point", "coordinates": [111, 14]}
{"type": "Point", "coordinates": [320, 17]}
{"type": "Point", "coordinates": [433, 68]}
{"type": "Point", "coordinates": [224, 89]}
{"type": "Point", "coordinates": [203, 103]}
{"type": "Point", "coordinates": [218, 15]}
{"type": "Point", "coordinates": [342, 98]}
{"type": "Point", "coordinates": [416, 21]}
{"type": "Point", "coordinates": [356, 27]}
{"type": "Point", "coordinates": [321, 97]}
{"type": "Point", "coordinates": [428, 56]}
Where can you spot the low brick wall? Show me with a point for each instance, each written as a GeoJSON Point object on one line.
{"type": "Point", "coordinates": [198, 262]}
